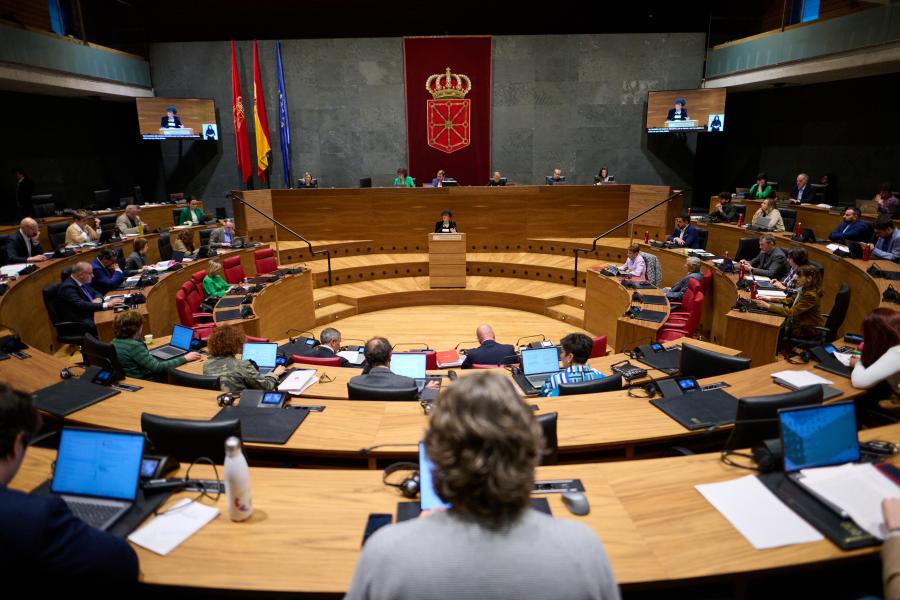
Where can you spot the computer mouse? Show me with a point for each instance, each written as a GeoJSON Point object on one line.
{"type": "Point", "coordinates": [451, 375]}
{"type": "Point", "coordinates": [577, 503]}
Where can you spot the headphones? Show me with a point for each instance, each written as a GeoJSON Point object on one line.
{"type": "Point", "coordinates": [648, 390]}
{"type": "Point", "coordinates": [409, 487]}
{"type": "Point", "coordinates": [65, 374]}
{"type": "Point", "coordinates": [798, 357]}
{"type": "Point", "coordinates": [228, 398]}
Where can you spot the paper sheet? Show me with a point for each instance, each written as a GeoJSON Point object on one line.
{"type": "Point", "coordinates": [758, 514]}
{"type": "Point", "coordinates": [12, 269]}
{"type": "Point", "coordinates": [757, 278]}
{"type": "Point", "coordinates": [298, 381]}
{"type": "Point", "coordinates": [771, 294]}
{"type": "Point", "coordinates": [843, 357]}
{"type": "Point", "coordinates": [857, 489]}
{"type": "Point", "coordinates": [840, 247]}
{"type": "Point", "coordinates": [355, 358]}
{"type": "Point", "coordinates": [167, 531]}
{"type": "Point", "coordinates": [800, 379]}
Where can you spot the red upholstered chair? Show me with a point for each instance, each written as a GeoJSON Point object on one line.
{"type": "Point", "coordinates": [187, 302]}
{"type": "Point", "coordinates": [198, 279]}
{"type": "Point", "coordinates": [678, 307]}
{"type": "Point", "coordinates": [430, 359]}
{"type": "Point", "coordinates": [233, 271]}
{"type": "Point", "coordinates": [676, 328]}
{"type": "Point", "coordinates": [315, 360]}
{"type": "Point", "coordinates": [265, 261]}
{"type": "Point", "coordinates": [257, 340]}
{"type": "Point", "coordinates": [706, 282]}
{"type": "Point", "coordinates": [599, 348]}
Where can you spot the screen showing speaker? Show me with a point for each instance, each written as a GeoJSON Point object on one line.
{"type": "Point", "coordinates": [686, 111]}
{"type": "Point", "coordinates": [177, 119]}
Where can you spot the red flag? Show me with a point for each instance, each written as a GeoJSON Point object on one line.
{"type": "Point", "coordinates": [260, 122]}
{"type": "Point", "coordinates": [241, 143]}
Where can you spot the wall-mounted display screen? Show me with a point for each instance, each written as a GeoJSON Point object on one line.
{"type": "Point", "coordinates": [686, 110]}
{"type": "Point", "coordinates": [177, 119]}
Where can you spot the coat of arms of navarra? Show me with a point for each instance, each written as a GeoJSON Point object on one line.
{"type": "Point", "coordinates": [449, 111]}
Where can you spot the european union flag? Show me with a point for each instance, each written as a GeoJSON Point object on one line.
{"type": "Point", "coordinates": [284, 125]}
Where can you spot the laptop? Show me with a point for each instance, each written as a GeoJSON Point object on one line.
{"type": "Point", "coordinates": [428, 498]}
{"type": "Point", "coordinates": [537, 364]}
{"type": "Point", "coordinates": [177, 256]}
{"type": "Point", "coordinates": [412, 364]}
{"type": "Point", "coordinates": [97, 473]}
{"type": "Point", "coordinates": [818, 436]}
{"type": "Point", "coordinates": [263, 354]}
{"type": "Point", "coordinates": [762, 223]}
{"type": "Point", "coordinates": [179, 345]}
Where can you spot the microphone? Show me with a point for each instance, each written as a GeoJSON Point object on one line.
{"type": "Point", "coordinates": [411, 344]}
{"type": "Point", "coordinates": [540, 335]}
{"type": "Point", "coordinates": [456, 347]}
{"type": "Point", "coordinates": [366, 451]}
{"type": "Point", "coordinates": [293, 339]}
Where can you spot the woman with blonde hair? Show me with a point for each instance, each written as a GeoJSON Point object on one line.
{"type": "Point", "coordinates": [213, 284]}
{"type": "Point", "coordinates": [79, 232]}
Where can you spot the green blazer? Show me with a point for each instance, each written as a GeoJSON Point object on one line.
{"type": "Point", "coordinates": [755, 192]}
{"type": "Point", "coordinates": [185, 215]}
{"type": "Point", "coordinates": [137, 361]}
{"type": "Point", "coordinates": [410, 182]}
{"type": "Point", "coordinates": [215, 286]}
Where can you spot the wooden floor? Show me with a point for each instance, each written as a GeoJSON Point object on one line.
{"type": "Point", "coordinates": [442, 327]}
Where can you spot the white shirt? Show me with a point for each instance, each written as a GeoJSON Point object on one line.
{"type": "Point", "coordinates": [27, 241]}
{"type": "Point", "coordinates": [886, 368]}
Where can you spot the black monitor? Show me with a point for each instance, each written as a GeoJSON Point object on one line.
{"type": "Point", "coordinates": [102, 198]}
{"type": "Point", "coordinates": [756, 418]}
{"type": "Point", "coordinates": [365, 182]}
{"type": "Point", "coordinates": [448, 182]}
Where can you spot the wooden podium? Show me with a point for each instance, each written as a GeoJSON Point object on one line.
{"type": "Point", "coordinates": [447, 260]}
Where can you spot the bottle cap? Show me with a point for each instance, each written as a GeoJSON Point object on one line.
{"type": "Point", "coordinates": [232, 444]}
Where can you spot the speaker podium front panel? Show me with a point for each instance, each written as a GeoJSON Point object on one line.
{"type": "Point", "coordinates": [447, 260]}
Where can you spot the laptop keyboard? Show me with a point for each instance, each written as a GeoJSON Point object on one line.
{"type": "Point", "coordinates": [537, 380]}
{"type": "Point", "coordinates": [94, 514]}
{"type": "Point", "coordinates": [164, 353]}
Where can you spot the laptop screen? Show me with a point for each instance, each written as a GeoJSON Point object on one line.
{"type": "Point", "coordinates": [428, 498]}
{"type": "Point", "coordinates": [263, 354]}
{"type": "Point", "coordinates": [181, 337]}
{"type": "Point", "coordinates": [540, 360]}
{"type": "Point", "coordinates": [177, 256]}
{"type": "Point", "coordinates": [103, 464]}
{"type": "Point", "coordinates": [817, 436]}
{"type": "Point", "coordinates": [410, 364]}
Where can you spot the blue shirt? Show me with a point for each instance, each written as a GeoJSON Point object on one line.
{"type": "Point", "coordinates": [573, 374]}
{"type": "Point", "coordinates": [888, 248]}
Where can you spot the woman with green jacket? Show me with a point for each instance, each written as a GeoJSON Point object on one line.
{"type": "Point", "coordinates": [132, 352]}
{"type": "Point", "coordinates": [761, 189]}
{"type": "Point", "coordinates": [192, 214]}
{"type": "Point", "coordinates": [213, 284]}
{"type": "Point", "coordinates": [403, 179]}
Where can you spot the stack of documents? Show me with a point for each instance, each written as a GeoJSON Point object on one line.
{"type": "Point", "coordinates": [840, 247]}
{"type": "Point", "coordinates": [298, 381]}
{"type": "Point", "coordinates": [9, 270]}
{"type": "Point", "coordinates": [799, 379]}
{"type": "Point", "coordinates": [757, 278]}
{"type": "Point", "coordinates": [771, 294]}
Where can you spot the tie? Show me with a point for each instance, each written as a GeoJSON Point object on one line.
{"type": "Point", "coordinates": [87, 292]}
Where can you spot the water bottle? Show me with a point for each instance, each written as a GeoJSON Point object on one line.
{"type": "Point", "coordinates": [753, 291]}
{"type": "Point", "coordinates": [646, 237]}
{"type": "Point", "coordinates": [140, 228]}
{"type": "Point", "coordinates": [797, 228]}
{"type": "Point", "coordinates": [741, 274]}
{"type": "Point", "coordinates": [237, 481]}
{"type": "Point", "coordinates": [740, 220]}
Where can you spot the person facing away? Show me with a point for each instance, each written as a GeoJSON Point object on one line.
{"type": "Point", "coordinates": [576, 349]}
{"type": "Point", "coordinates": [235, 374]}
{"type": "Point", "coordinates": [489, 544]}
{"type": "Point", "coordinates": [133, 354]}
{"type": "Point", "coordinates": [880, 358]}
{"type": "Point", "coordinates": [329, 346]}
{"type": "Point", "coordinates": [39, 535]}
{"type": "Point", "coordinates": [489, 352]}
{"type": "Point", "coordinates": [378, 358]}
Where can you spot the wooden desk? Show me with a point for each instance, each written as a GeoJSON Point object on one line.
{"type": "Point", "coordinates": [689, 540]}
{"type": "Point", "coordinates": [605, 302]}
{"type": "Point", "coordinates": [282, 305]}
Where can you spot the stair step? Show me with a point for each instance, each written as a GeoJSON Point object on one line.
{"type": "Point", "coordinates": [333, 312]}
{"type": "Point", "coordinates": [324, 297]}
{"type": "Point", "coordinates": [567, 313]}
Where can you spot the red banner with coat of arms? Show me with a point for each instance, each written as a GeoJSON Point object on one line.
{"type": "Point", "coordinates": [448, 108]}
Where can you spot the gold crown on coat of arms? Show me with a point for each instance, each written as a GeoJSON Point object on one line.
{"type": "Point", "coordinates": [448, 85]}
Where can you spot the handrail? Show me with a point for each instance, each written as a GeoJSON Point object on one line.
{"type": "Point", "coordinates": [312, 252]}
{"type": "Point", "coordinates": [625, 222]}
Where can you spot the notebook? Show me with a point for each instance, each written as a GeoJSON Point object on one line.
{"type": "Point", "coordinates": [179, 345]}
{"type": "Point", "coordinates": [264, 354]}
{"type": "Point", "coordinates": [97, 473]}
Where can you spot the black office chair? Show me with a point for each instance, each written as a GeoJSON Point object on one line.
{"type": "Point", "coordinates": [44, 206]}
{"type": "Point", "coordinates": [102, 198]}
{"type": "Point", "coordinates": [57, 234]}
{"type": "Point", "coordinates": [192, 380]}
{"type": "Point", "coordinates": [789, 216]}
{"type": "Point", "coordinates": [741, 210]}
{"type": "Point", "coordinates": [204, 236]}
{"type": "Point", "coordinates": [176, 212]}
{"type": "Point", "coordinates": [819, 267]}
{"type": "Point", "coordinates": [3, 257]}
{"type": "Point", "coordinates": [361, 391]}
{"type": "Point", "coordinates": [165, 246]}
{"type": "Point", "coordinates": [138, 194]}
{"type": "Point", "coordinates": [703, 237]}
{"type": "Point", "coordinates": [551, 441]}
{"type": "Point", "coordinates": [187, 440]}
{"type": "Point", "coordinates": [605, 384]}
{"type": "Point", "coordinates": [833, 322]}
{"type": "Point", "coordinates": [756, 418]}
{"type": "Point", "coordinates": [698, 362]}
{"type": "Point", "coordinates": [220, 213]}
{"type": "Point", "coordinates": [100, 354]}
{"type": "Point", "coordinates": [107, 222]}
{"type": "Point", "coordinates": [67, 332]}
{"type": "Point", "coordinates": [748, 249]}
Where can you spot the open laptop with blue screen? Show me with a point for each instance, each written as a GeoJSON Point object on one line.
{"type": "Point", "coordinates": [97, 473]}
{"type": "Point", "coordinates": [263, 354]}
{"type": "Point", "coordinates": [428, 498]}
{"type": "Point", "coordinates": [178, 345]}
{"type": "Point", "coordinates": [537, 364]}
{"type": "Point", "coordinates": [818, 436]}
{"type": "Point", "coordinates": [412, 364]}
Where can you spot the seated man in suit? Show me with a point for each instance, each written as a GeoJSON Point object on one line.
{"type": "Point", "coordinates": [684, 234]}
{"type": "Point", "coordinates": [77, 301]}
{"type": "Point", "coordinates": [378, 357]}
{"type": "Point", "coordinates": [557, 178]}
{"type": "Point", "coordinates": [25, 246]}
{"type": "Point", "coordinates": [224, 236]}
{"type": "Point", "coordinates": [676, 292]}
{"type": "Point", "coordinates": [107, 274]}
{"type": "Point", "coordinates": [438, 180]}
{"type": "Point", "coordinates": [329, 347]}
{"type": "Point", "coordinates": [489, 352]}
{"type": "Point", "coordinates": [192, 214]}
{"type": "Point", "coordinates": [802, 193]}
{"type": "Point", "coordinates": [129, 221]}
{"type": "Point", "coordinates": [887, 240]}
{"type": "Point", "coordinates": [851, 229]}
{"type": "Point", "coordinates": [38, 533]}
{"type": "Point", "coordinates": [771, 261]}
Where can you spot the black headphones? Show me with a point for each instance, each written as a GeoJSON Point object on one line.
{"type": "Point", "coordinates": [648, 390]}
{"type": "Point", "coordinates": [409, 487]}
{"type": "Point", "coordinates": [228, 398]}
{"type": "Point", "coordinates": [65, 374]}
{"type": "Point", "coordinates": [798, 357]}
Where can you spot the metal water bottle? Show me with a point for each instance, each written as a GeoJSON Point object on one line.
{"type": "Point", "coordinates": [740, 220]}
{"type": "Point", "coordinates": [753, 291]}
{"type": "Point", "coordinates": [237, 481]}
{"type": "Point", "coordinates": [646, 237]}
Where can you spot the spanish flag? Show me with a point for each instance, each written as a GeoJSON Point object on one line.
{"type": "Point", "coordinates": [261, 123]}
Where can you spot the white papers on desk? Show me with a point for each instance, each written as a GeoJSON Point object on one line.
{"type": "Point", "coordinates": [9, 270]}
{"type": "Point", "coordinates": [799, 379]}
{"type": "Point", "coordinates": [843, 357]}
{"type": "Point", "coordinates": [857, 489]}
{"type": "Point", "coordinates": [718, 261]}
{"type": "Point", "coordinates": [823, 205]}
{"type": "Point", "coordinates": [167, 531]}
{"type": "Point", "coordinates": [757, 513]}
{"type": "Point", "coordinates": [298, 381]}
{"type": "Point", "coordinates": [133, 279]}
{"type": "Point", "coordinates": [355, 358]}
{"type": "Point", "coordinates": [840, 247]}
{"type": "Point", "coordinates": [757, 278]}
{"type": "Point", "coordinates": [163, 265]}
{"type": "Point", "coordinates": [771, 294]}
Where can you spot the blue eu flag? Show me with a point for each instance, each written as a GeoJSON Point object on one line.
{"type": "Point", "coordinates": [284, 125]}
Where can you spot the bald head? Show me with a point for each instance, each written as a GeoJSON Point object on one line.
{"type": "Point", "coordinates": [29, 227]}
{"type": "Point", "coordinates": [484, 332]}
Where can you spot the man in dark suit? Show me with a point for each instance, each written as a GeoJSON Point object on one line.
{"type": "Point", "coordinates": [771, 261]}
{"type": "Point", "coordinates": [38, 533]}
{"type": "Point", "coordinates": [684, 234]}
{"type": "Point", "coordinates": [378, 357]}
{"type": "Point", "coordinates": [107, 274]}
{"type": "Point", "coordinates": [851, 229]}
{"type": "Point", "coordinates": [802, 193]}
{"type": "Point", "coordinates": [329, 347]}
{"type": "Point", "coordinates": [77, 301]}
{"type": "Point", "coordinates": [24, 245]}
{"type": "Point", "coordinates": [489, 352]}
{"type": "Point", "coordinates": [24, 192]}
